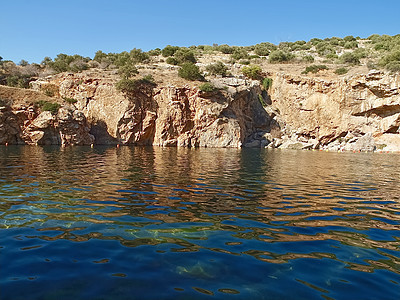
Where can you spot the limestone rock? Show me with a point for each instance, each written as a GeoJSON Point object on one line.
{"type": "Point", "coordinates": [327, 110]}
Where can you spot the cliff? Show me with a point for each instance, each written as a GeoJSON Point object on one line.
{"type": "Point", "coordinates": [152, 115]}
{"type": "Point", "coordinates": [355, 112]}
{"type": "Point", "coordinates": [360, 112]}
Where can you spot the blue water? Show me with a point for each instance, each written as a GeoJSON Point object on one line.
{"type": "Point", "coordinates": [168, 223]}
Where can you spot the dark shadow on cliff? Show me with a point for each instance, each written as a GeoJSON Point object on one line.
{"type": "Point", "coordinates": [144, 113]}
{"type": "Point", "coordinates": [101, 135]}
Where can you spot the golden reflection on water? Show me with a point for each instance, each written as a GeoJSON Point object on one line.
{"type": "Point", "coordinates": [276, 191]}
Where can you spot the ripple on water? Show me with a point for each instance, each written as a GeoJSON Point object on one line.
{"type": "Point", "coordinates": [198, 223]}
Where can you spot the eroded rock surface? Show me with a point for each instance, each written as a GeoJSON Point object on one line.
{"type": "Point", "coordinates": [354, 113]}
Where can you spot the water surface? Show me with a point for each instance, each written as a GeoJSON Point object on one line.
{"type": "Point", "coordinates": [168, 223]}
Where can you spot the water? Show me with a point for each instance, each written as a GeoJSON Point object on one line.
{"type": "Point", "coordinates": [154, 223]}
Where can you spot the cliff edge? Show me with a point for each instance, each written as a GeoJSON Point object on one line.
{"type": "Point", "coordinates": [353, 112]}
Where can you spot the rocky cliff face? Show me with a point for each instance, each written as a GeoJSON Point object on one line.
{"type": "Point", "coordinates": [152, 115]}
{"type": "Point", "coordinates": [350, 113]}
{"type": "Point", "coordinates": [354, 113]}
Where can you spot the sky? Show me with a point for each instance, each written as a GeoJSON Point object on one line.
{"type": "Point", "coordinates": [34, 29]}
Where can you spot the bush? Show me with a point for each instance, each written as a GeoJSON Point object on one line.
{"type": "Point", "coordinates": [190, 71]}
{"type": "Point", "coordinates": [349, 58]}
{"type": "Point", "coordinates": [127, 85]}
{"type": "Point", "coordinates": [280, 56]}
{"type": "Point", "coordinates": [128, 70]}
{"type": "Point", "coordinates": [349, 38]}
{"type": "Point", "coordinates": [244, 62]}
{"type": "Point", "coordinates": [262, 101]}
{"type": "Point", "coordinates": [169, 50]}
{"type": "Point", "coordinates": [149, 79]}
{"type": "Point", "coordinates": [240, 53]}
{"type": "Point", "coordinates": [390, 58]}
{"type": "Point", "coordinates": [308, 59]}
{"type": "Point", "coordinates": [183, 55]}
{"type": "Point", "coordinates": [207, 87]}
{"type": "Point", "coordinates": [138, 56]}
{"type": "Point", "coordinates": [393, 66]}
{"type": "Point", "coordinates": [252, 72]}
{"type": "Point", "coordinates": [325, 48]}
{"type": "Point", "coordinates": [154, 52]}
{"type": "Point", "coordinates": [226, 49]}
{"type": "Point", "coordinates": [341, 71]}
{"type": "Point", "coordinates": [171, 60]}
{"type": "Point", "coordinates": [217, 68]}
{"type": "Point", "coordinates": [350, 45]}
{"type": "Point", "coordinates": [18, 81]}
{"type": "Point", "coordinates": [70, 100]}
{"type": "Point", "coordinates": [64, 62]}
{"type": "Point", "coordinates": [314, 69]}
{"type": "Point", "coordinates": [331, 56]}
{"type": "Point", "coordinates": [49, 106]}
{"type": "Point", "coordinates": [264, 49]}
{"type": "Point", "coordinates": [267, 83]}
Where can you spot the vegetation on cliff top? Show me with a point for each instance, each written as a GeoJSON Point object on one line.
{"type": "Point", "coordinates": [376, 51]}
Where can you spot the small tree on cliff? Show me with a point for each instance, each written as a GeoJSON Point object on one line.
{"type": "Point", "coordinates": [253, 72]}
{"type": "Point", "coordinates": [190, 71]}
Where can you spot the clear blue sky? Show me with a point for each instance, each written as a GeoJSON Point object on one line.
{"type": "Point", "coordinates": [33, 29]}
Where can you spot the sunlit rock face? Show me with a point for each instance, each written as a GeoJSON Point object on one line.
{"type": "Point", "coordinates": [166, 115]}
{"type": "Point", "coordinates": [353, 113]}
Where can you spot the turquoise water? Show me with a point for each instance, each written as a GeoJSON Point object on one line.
{"type": "Point", "coordinates": [167, 223]}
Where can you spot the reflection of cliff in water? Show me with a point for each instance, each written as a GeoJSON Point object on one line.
{"type": "Point", "coordinates": [182, 196]}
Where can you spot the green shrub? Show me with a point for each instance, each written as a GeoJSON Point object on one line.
{"type": "Point", "coordinates": [64, 62]}
{"type": "Point", "coordinates": [127, 71]}
{"type": "Point", "coordinates": [349, 38]}
{"type": "Point", "coordinates": [127, 85]}
{"type": "Point", "coordinates": [315, 41]}
{"type": "Point", "coordinates": [217, 68]}
{"type": "Point", "coordinates": [226, 49]}
{"type": "Point", "coordinates": [331, 56]}
{"type": "Point", "coordinates": [70, 100]}
{"type": "Point", "coordinates": [349, 58]}
{"type": "Point", "coordinates": [171, 60]}
{"type": "Point", "coordinates": [264, 49]}
{"type": "Point", "coordinates": [390, 58]}
{"type": "Point", "coordinates": [207, 87]}
{"type": "Point", "coordinates": [314, 69]}
{"type": "Point", "coordinates": [360, 53]}
{"type": "Point", "coordinates": [341, 71]}
{"type": "Point", "coordinates": [49, 106]}
{"type": "Point", "coordinates": [184, 55]}
{"type": "Point", "coordinates": [262, 101]}
{"type": "Point", "coordinates": [252, 72]}
{"type": "Point", "coordinates": [350, 45]}
{"type": "Point", "coordinates": [169, 50]}
{"type": "Point", "coordinates": [239, 53]}
{"type": "Point", "coordinates": [267, 83]}
{"type": "Point", "coordinates": [308, 59]}
{"type": "Point", "coordinates": [244, 62]}
{"type": "Point", "coordinates": [393, 66]}
{"type": "Point", "coordinates": [138, 56]}
{"type": "Point", "coordinates": [154, 52]}
{"type": "Point", "coordinates": [148, 79]}
{"type": "Point", "coordinates": [190, 71]}
{"type": "Point", "coordinates": [280, 56]}
{"type": "Point", "coordinates": [325, 48]}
